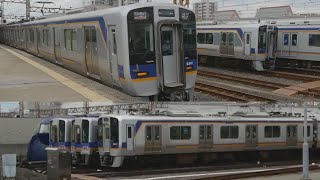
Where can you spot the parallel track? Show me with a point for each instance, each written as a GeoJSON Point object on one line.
{"type": "Point", "coordinates": [261, 83]}
{"type": "Point", "coordinates": [228, 94]}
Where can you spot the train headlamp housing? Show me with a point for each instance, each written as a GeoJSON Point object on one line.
{"type": "Point", "coordinates": [142, 74]}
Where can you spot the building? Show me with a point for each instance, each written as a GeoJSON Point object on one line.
{"type": "Point", "coordinates": [204, 9]}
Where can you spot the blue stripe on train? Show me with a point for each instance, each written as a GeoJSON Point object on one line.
{"type": "Point", "coordinates": [90, 145]}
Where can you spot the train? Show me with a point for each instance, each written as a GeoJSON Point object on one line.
{"type": "Point", "coordinates": [254, 44]}
{"type": "Point", "coordinates": [119, 140]}
{"type": "Point", "coordinates": [262, 45]}
{"type": "Point", "coordinates": [144, 49]}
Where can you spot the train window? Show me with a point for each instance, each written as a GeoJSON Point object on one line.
{"type": "Point", "coordinates": [209, 38]}
{"type": "Point", "coordinates": [180, 132]}
{"type": "Point", "coordinates": [216, 38]}
{"type": "Point", "coordinates": [201, 38]}
{"type": "Point", "coordinates": [167, 43]}
{"type": "Point", "coordinates": [114, 125]}
{"type": "Point", "coordinates": [308, 131]}
{"type": "Point", "coordinates": [156, 133]}
{"type": "Point", "coordinates": [148, 133]}
{"type": "Point", "coordinates": [129, 132]}
{"type": "Point", "coordinates": [114, 41]}
{"type": "Point", "coordinates": [229, 132]}
{"type": "Point", "coordinates": [107, 133]}
{"type": "Point", "coordinates": [31, 36]}
{"type": "Point", "coordinates": [209, 132]}
{"type": "Point", "coordinates": [70, 39]}
{"type": "Point", "coordinates": [294, 39]}
{"type": "Point", "coordinates": [202, 131]}
{"type": "Point", "coordinates": [224, 39]}
{"type": "Point", "coordinates": [231, 37]}
{"type": "Point", "coordinates": [237, 41]}
{"type": "Point", "coordinates": [272, 131]}
{"type": "Point", "coordinates": [44, 128]}
{"type": "Point", "coordinates": [54, 134]}
{"type": "Point", "coordinates": [286, 39]}
{"type": "Point", "coordinates": [62, 131]}
{"type": "Point", "coordinates": [314, 40]}
{"type": "Point", "coordinates": [262, 38]}
{"type": "Point", "coordinates": [85, 131]}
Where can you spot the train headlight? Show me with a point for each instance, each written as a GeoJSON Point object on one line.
{"type": "Point", "coordinates": [142, 74]}
{"type": "Point", "coordinates": [189, 68]}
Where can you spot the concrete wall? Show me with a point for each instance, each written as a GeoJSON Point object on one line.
{"type": "Point", "coordinates": [15, 134]}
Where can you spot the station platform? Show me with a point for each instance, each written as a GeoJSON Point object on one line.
{"type": "Point", "coordinates": [291, 90]}
{"type": "Point", "coordinates": [25, 77]}
{"type": "Point", "coordinates": [313, 175]}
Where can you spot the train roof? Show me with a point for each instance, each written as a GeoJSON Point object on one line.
{"type": "Point", "coordinates": [249, 25]}
{"type": "Point", "coordinates": [123, 10]}
{"type": "Point", "coordinates": [207, 118]}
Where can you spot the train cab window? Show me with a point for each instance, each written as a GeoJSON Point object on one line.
{"type": "Point", "coordinates": [286, 39]}
{"type": "Point", "coordinates": [262, 38]}
{"type": "Point", "coordinates": [229, 132]}
{"type": "Point", "coordinates": [272, 131]}
{"type": "Point", "coordinates": [314, 40]}
{"type": "Point", "coordinates": [100, 130]}
{"type": "Point", "coordinates": [167, 43]}
{"type": "Point", "coordinates": [129, 132]}
{"type": "Point", "coordinates": [44, 128]}
{"type": "Point", "coordinates": [294, 39]}
{"type": "Point", "coordinates": [308, 131]}
{"type": "Point", "coordinates": [85, 131]}
{"type": "Point", "coordinates": [62, 131]}
{"type": "Point", "coordinates": [54, 134]}
{"type": "Point", "coordinates": [114, 125]}
{"type": "Point", "coordinates": [180, 132]}
{"type": "Point", "coordinates": [76, 136]}
{"type": "Point", "coordinates": [70, 39]}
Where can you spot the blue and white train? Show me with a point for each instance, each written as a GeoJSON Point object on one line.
{"type": "Point", "coordinates": [144, 49]}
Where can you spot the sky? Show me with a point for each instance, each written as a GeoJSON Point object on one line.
{"type": "Point", "coordinates": [8, 106]}
{"type": "Point", "coordinates": [245, 8]}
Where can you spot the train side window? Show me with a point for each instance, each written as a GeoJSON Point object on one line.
{"type": "Point", "coordinates": [286, 39]}
{"type": "Point", "coordinates": [201, 38]}
{"type": "Point", "coordinates": [229, 132]}
{"type": "Point", "coordinates": [308, 131]}
{"type": "Point", "coordinates": [314, 40]}
{"type": "Point", "coordinates": [272, 131]}
{"type": "Point", "coordinates": [216, 38]}
{"type": "Point", "coordinates": [70, 39]}
{"type": "Point", "coordinates": [129, 132]}
{"type": "Point", "coordinates": [62, 131]}
{"type": "Point", "coordinates": [209, 38]}
{"type": "Point", "coordinates": [180, 132]}
{"type": "Point", "coordinates": [294, 39]}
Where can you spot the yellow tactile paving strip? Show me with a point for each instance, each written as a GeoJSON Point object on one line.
{"type": "Point", "coordinates": [291, 90]}
{"type": "Point", "coordinates": [83, 177]}
{"type": "Point", "coordinates": [85, 92]}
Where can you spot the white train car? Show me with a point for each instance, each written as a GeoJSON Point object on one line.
{"type": "Point", "coordinates": [60, 133]}
{"type": "Point", "coordinates": [84, 145]}
{"type": "Point", "coordinates": [251, 42]}
{"type": "Point", "coordinates": [144, 49]}
{"type": "Point", "coordinates": [298, 43]}
{"type": "Point", "coordinates": [132, 137]}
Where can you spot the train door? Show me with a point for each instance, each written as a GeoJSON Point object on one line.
{"type": "Point", "coordinates": [292, 137]}
{"type": "Point", "coordinates": [247, 44]}
{"type": "Point", "coordinates": [205, 136]}
{"type": "Point", "coordinates": [106, 135]}
{"type": "Point", "coordinates": [153, 138]}
{"type": "Point", "coordinates": [91, 51]}
{"type": "Point", "coordinates": [130, 137]}
{"type": "Point", "coordinates": [169, 48]}
{"type": "Point", "coordinates": [57, 47]}
{"type": "Point", "coordinates": [251, 136]}
{"type": "Point", "coordinates": [223, 44]}
{"type": "Point", "coordinates": [113, 51]}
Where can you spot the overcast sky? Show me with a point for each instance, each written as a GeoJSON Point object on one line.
{"type": "Point", "coordinates": [245, 8]}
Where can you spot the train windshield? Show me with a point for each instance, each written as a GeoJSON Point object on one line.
{"type": "Point", "coordinates": [188, 20]}
{"type": "Point", "coordinates": [44, 129]}
{"type": "Point", "coordinates": [141, 36]}
{"type": "Point", "coordinates": [262, 44]}
{"type": "Point", "coordinates": [85, 131]}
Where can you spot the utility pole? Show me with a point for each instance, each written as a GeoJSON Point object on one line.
{"type": "Point", "coordinates": [21, 109]}
{"type": "Point", "coordinates": [28, 7]}
{"type": "Point", "coordinates": [305, 151]}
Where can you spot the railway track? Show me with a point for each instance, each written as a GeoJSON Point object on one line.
{"type": "Point", "coordinates": [219, 171]}
{"type": "Point", "coordinates": [312, 72]}
{"type": "Point", "coordinates": [228, 94]}
{"type": "Point", "coordinates": [257, 83]}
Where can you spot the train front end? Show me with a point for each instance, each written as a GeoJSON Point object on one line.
{"type": "Point", "coordinates": [162, 52]}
